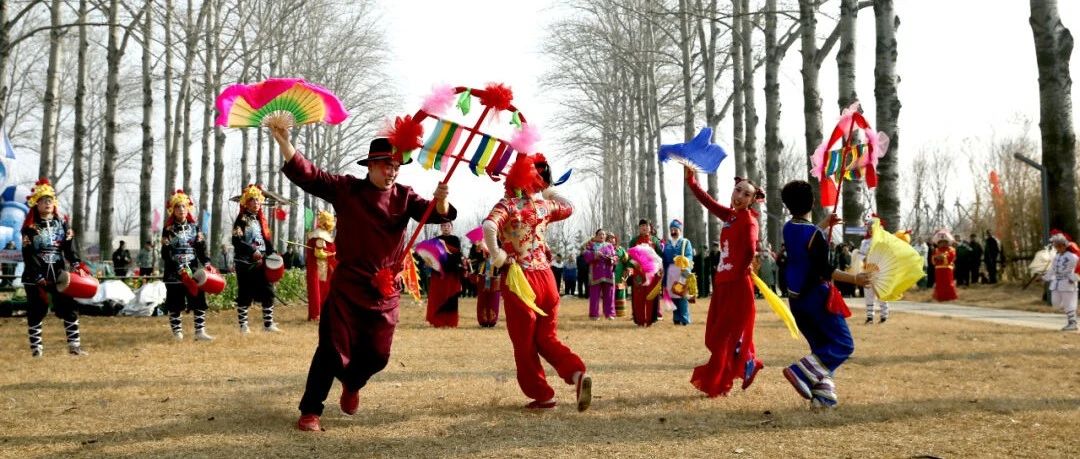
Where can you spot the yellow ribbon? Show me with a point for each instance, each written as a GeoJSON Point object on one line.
{"type": "Point", "coordinates": [411, 276]}
{"type": "Point", "coordinates": [777, 305]}
{"type": "Point", "coordinates": [519, 285]}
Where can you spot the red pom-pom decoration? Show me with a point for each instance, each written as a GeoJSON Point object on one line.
{"type": "Point", "coordinates": [496, 96]}
{"type": "Point", "coordinates": [523, 175]}
{"type": "Point", "coordinates": [404, 135]}
{"type": "Point", "coordinates": [384, 282]}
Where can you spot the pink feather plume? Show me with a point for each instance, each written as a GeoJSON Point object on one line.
{"type": "Point", "coordinates": [525, 139]}
{"type": "Point", "coordinates": [440, 99]}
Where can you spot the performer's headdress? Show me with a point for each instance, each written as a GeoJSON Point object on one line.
{"type": "Point", "coordinates": [41, 189]}
{"type": "Point", "coordinates": [525, 176]}
{"type": "Point", "coordinates": [325, 220]}
{"type": "Point", "coordinates": [179, 198]}
{"type": "Point", "coordinates": [254, 191]}
{"type": "Point", "coordinates": [942, 235]}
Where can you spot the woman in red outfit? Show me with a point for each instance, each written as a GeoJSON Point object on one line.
{"type": "Point", "coordinates": [944, 263]}
{"type": "Point", "coordinates": [729, 329]}
{"type": "Point", "coordinates": [320, 258]}
{"type": "Point", "coordinates": [519, 221]}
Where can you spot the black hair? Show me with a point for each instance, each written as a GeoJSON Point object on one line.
{"type": "Point", "coordinates": [798, 197]}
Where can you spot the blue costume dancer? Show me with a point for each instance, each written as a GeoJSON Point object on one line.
{"type": "Point", "coordinates": [676, 273]}
{"type": "Point", "coordinates": [809, 279]}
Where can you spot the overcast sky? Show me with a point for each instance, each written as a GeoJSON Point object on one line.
{"type": "Point", "coordinates": [967, 70]}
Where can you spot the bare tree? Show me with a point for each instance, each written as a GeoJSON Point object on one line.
{"type": "Point", "coordinates": [1053, 49]}
{"type": "Point", "coordinates": [845, 63]}
{"type": "Point", "coordinates": [887, 104]}
{"type": "Point", "coordinates": [51, 101]}
{"type": "Point", "coordinates": [147, 174]}
{"type": "Point", "coordinates": [79, 198]}
{"type": "Point", "coordinates": [115, 51]}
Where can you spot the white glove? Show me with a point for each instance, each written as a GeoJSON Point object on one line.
{"type": "Point", "coordinates": [498, 255]}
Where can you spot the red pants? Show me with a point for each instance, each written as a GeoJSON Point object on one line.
{"type": "Point", "coordinates": [533, 336]}
{"type": "Point", "coordinates": [442, 306]}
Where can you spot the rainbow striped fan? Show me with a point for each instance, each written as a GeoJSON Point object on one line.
{"type": "Point", "coordinates": [433, 252]}
{"type": "Point", "coordinates": [278, 101]}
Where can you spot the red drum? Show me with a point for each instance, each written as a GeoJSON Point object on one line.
{"type": "Point", "coordinates": [76, 284]}
{"type": "Point", "coordinates": [275, 268]}
{"type": "Point", "coordinates": [209, 280]}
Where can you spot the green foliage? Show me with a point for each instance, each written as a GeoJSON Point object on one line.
{"type": "Point", "coordinates": [290, 289]}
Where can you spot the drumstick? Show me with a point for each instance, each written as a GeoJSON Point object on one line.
{"type": "Point", "coordinates": [299, 244]}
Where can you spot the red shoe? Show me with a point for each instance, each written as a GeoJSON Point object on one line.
{"type": "Point", "coordinates": [751, 373]}
{"type": "Point", "coordinates": [349, 402]}
{"type": "Point", "coordinates": [584, 392]}
{"type": "Point", "coordinates": [538, 405]}
{"type": "Point", "coordinates": [309, 423]}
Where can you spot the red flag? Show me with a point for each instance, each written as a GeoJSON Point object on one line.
{"type": "Point", "coordinates": [871, 176]}
{"type": "Point", "coordinates": [828, 193]}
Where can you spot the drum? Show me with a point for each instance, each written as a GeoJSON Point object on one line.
{"type": "Point", "coordinates": [275, 267]}
{"type": "Point", "coordinates": [76, 284]}
{"type": "Point", "coordinates": [209, 280]}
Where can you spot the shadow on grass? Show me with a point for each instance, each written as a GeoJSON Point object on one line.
{"type": "Point", "coordinates": [490, 428]}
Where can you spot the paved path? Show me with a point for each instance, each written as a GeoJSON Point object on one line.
{"type": "Point", "coordinates": [1044, 320]}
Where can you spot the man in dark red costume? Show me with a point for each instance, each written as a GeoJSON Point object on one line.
{"type": "Point", "coordinates": [358, 319]}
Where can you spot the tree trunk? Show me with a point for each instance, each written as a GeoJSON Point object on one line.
{"type": "Point", "coordinates": [184, 100]}
{"type": "Point", "coordinates": [147, 175]}
{"type": "Point", "coordinates": [773, 145]}
{"type": "Point", "coordinates": [1053, 50]}
{"type": "Point", "coordinates": [692, 212]}
{"type": "Point", "coordinates": [712, 117]}
{"type": "Point", "coordinates": [51, 101]}
{"type": "Point", "coordinates": [811, 94]}
{"type": "Point", "coordinates": [845, 64]}
{"type": "Point", "coordinates": [737, 114]}
{"type": "Point", "coordinates": [208, 114]}
{"type": "Point", "coordinates": [108, 162]}
{"type": "Point", "coordinates": [749, 107]}
{"type": "Point", "coordinates": [79, 198]}
{"type": "Point", "coordinates": [170, 139]}
{"type": "Point", "coordinates": [217, 217]}
{"type": "Point", "coordinates": [5, 51]}
{"type": "Point", "coordinates": [887, 104]}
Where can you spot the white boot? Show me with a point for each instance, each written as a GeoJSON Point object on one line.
{"type": "Point", "coordinates": [200, 335]}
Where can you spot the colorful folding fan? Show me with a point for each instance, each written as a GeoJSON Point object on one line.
{"type": "Point", "coordinates": [287, 101]}
{"type": "Point", "coordinates": [895, 265]}
{"type": "Point", "coordinates": [433, 252]}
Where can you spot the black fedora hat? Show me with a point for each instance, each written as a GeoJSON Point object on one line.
{"type": "Point", "coordinates": [380, 149]}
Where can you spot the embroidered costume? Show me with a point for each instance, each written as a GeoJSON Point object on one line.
{"type": "Point", "coordinates": [183, 251]}
{"type": "Point", "coordinates": [320, 259]}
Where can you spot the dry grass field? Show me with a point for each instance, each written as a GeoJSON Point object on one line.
{"type": "Point", "coordinates": [916, 387]}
